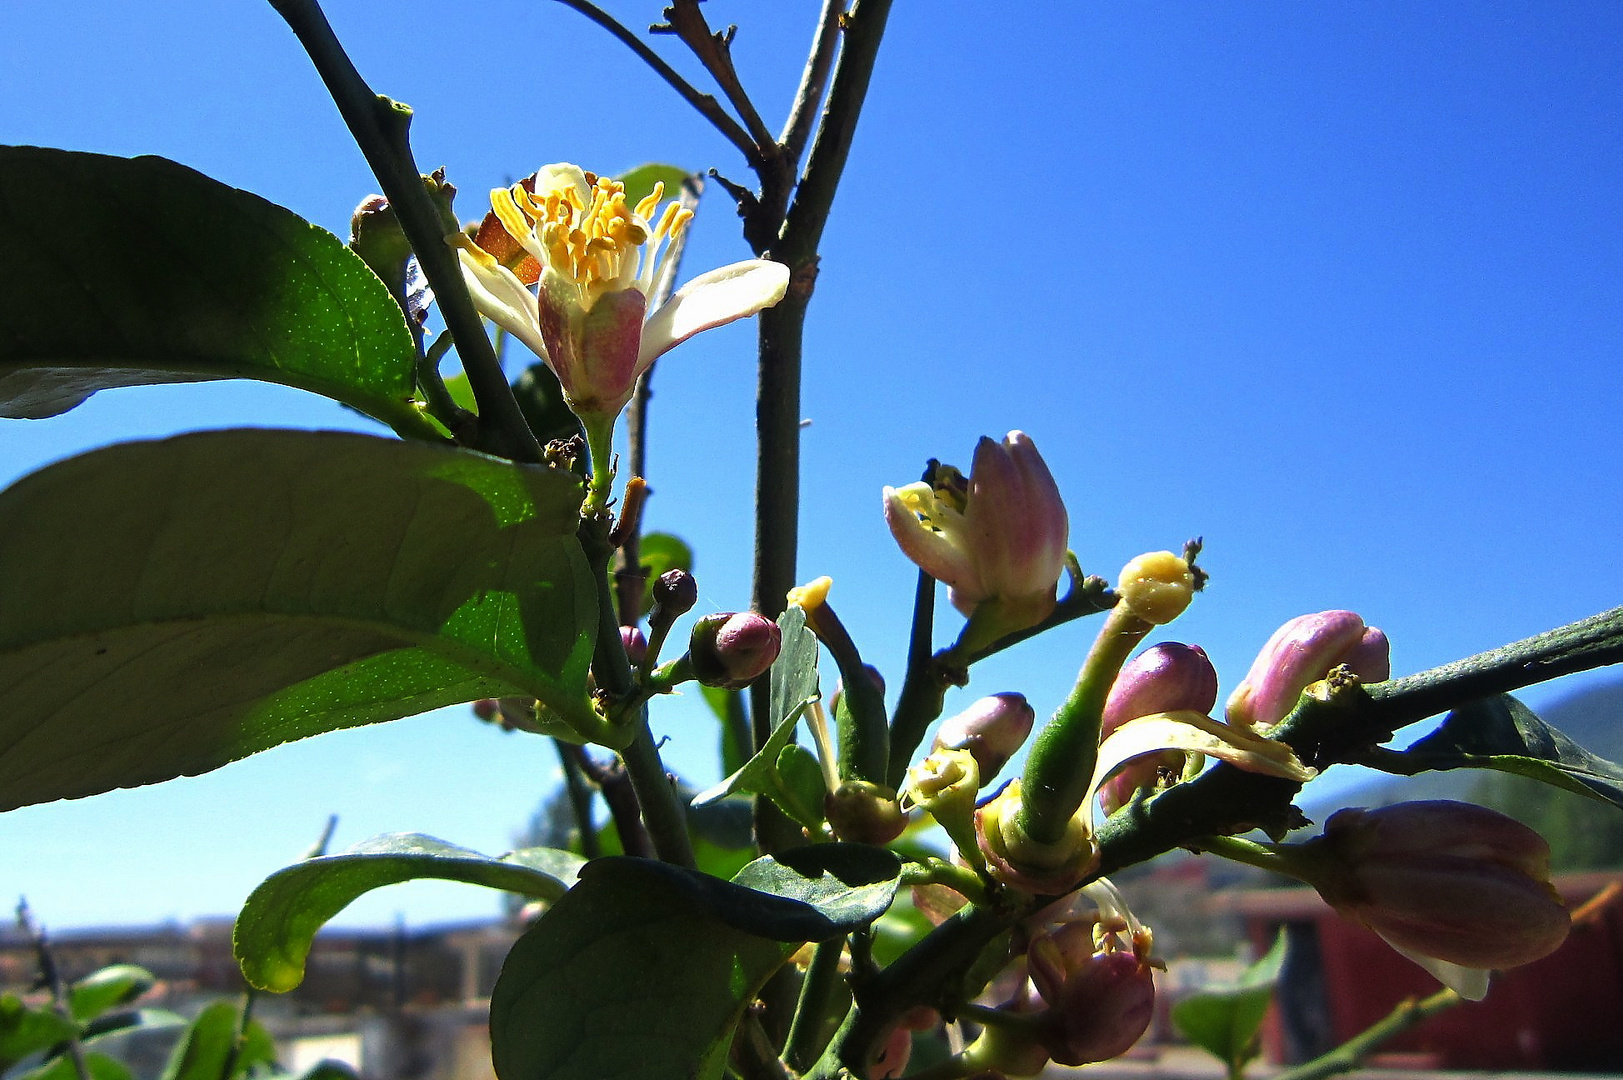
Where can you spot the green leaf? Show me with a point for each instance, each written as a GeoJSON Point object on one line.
{"type": "Point", "coordinates": [630, 975]}
{"type": "Point", "coordinates": [111, 986]}
{"type": "Point", "coordinates": [129, 271]}
{"type": "Point", "coordinates": [109, 1024]}
{"type": "Point", "coordinates": [1501, 733]}
{"type": "Point", "coordinates": [61, 1067]}
{"type": "Point", "coordinates": [206, 1048]}
{"type": "Point", "coordinates": [173, 606]}
{"type": "Point", "coordinates": [801, 788]}
{"type": "Point", "coordinates": [793, 688]}
{"type": "Point", "coordinates": [280, 919]}
{"type": "Point", "coordinates": [643, 969]}
{"type": "Point", "coordinates": [25, 1031]}
{"type": "Point", "coordinates": [1224, 1021]}
{"type": "Point", "coordinates": [541, 401]}
{"type": "Point", "coordinates": [640, 181]}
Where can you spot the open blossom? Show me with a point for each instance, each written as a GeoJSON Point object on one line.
{"type": "Point", "coordinates": [597, 260]}
{"type": "Point", "coordinates": [1001, 539]}
{"type": "Point", "coordinates": [1300, 653]}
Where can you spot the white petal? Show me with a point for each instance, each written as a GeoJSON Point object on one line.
{"type": "Point", "coordinates": [1198, 733]}
{"type": "Point", "coordinates": [1469, 983]}
{"type": "Point", "coordinates": [503, 299]}
{"type": "Point", "coordinates": [720, 296]}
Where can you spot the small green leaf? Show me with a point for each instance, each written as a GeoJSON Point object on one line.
{"type": "Point", "coordinates": [173, 606]}
{"type": "Point", "coordinates": [61, 1067]}
{"type": "Point", "coordinates": [640, 181]}
{"type": "Point", "coordinates": [800, 788]}
{"type": "Point", "coordinates": [849, 885]}
{"type": "Point", "coordinates": [1224, 1021]}
{"type": "Point", "coordinates": [113, 1023]}
{"type": "Point", "coordinates": [282, 916]}
{"type": "Point", "coordinates": [101, 990]}
{"type": "Point", "coordinates": [25, 1031]}
{"type": "Point", "coordinates": [631, 974]}
{"type": "Point", "coordinates": [206, 1048]}
{"type": "Point", "coordinates": [1501, 733]}
{"type": "Point", "coordinates": [129, 271]}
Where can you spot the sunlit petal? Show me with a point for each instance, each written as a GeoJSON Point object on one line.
{"type": "Point", "coordinates": [720, 296]}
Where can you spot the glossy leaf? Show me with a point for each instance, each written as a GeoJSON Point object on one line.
{"type": "Point", "coordinates": [1501, 733]}
{"type": "Point", "coordinates": [282, 916]}
{"type": "Point", "coordinates": [209, 1045]}
{"type": "Point", "coordinates": [61, 1067]}
{"type": "Point", "coordinates": [105, 989]}
{"type": "Point", "coordinates": [129, 271]}
{"type": "Point", "coordinates": [643, 968]}
{"type": "Point", "coordinates": [1224, 1021]}
{"type": "Point", "coordinates": [631, 974]}
{"type": "Point", "coordinates": [800, 788]}
{"type": "Point", "coordinates": [173, 606]}
{"type": "Point", "coordinates": [25, 1031]}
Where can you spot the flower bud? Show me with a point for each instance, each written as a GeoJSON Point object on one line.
{"type": "Point", "coordinates": [674, 594]}
{"type": "Point", "coordinates": [1448, 880]}
{"type": "Point", "coordinates": [864, 813]}
{"type": "Point", "coordinates": [1169, 677]}
{"type": "Point", "coordinates": [733, 649]}
{"type": "Point", "coordinates": [992, 729]}
{"type": "Point", "coordinates": [1021, 862]}
{"type": "Point", "coordinates": [1300, 653]}
{"type": "Point", "coordinates": [1103, 1007]}
{"type": "Point", "coordinates": [943, 785]}
{"type": "Point", "coordinates": [1000, 542]}
{"type": "Point", "coordinates": [891, 1060]}
{"type": "Point", "coordinates": [1156, 586]}
{"type": "Point", "coordinates": [636, 645]}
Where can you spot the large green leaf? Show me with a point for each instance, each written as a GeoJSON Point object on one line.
{"type": "Point", "coordinates": [210, 1044]}
{"type": "Point", "coordinates": [280, 919]}
{"type": "Point", "coordinates": [25, 1031]}
{"type": "Point", "coordinates": [1224, 1021]}
{"type": "Point", "coordinates": [1501, 733]}
{"type": "Point", "coordinates": [173, 606]}
{"type": "Point", "coordinates": [643, 969]}
{"type": "Point", "coordinates": [127, 271]}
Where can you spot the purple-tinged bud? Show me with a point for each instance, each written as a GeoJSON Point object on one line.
{"type": "Point", "coordinates": [891, 1061]}
{"type": "Point", "coordinates": [487, 709]}
{"type": "Point", "coordinates": [1300, 653]}
{"type": "Point", "coordinates": [1169, 677]}
{"type": "Point", "coordinates": [1021, 862]}
{"type": "Point", "coordinates": [674, 594]}
{"type": "Point", "coordinates": [991, 729]}
{"type": "Point", "coordinates": [864, 813]}
{"type": "Point", "coordinates": [1002, 542]}
{"type": "Point", "coordinates": [636, 645]}
{"type": "Point", "coordinates": [733, 649]}
{"type": "Point", "coordinates": [1449, 880]}
{"type": "Point", "coordinates": [1102, 1009]}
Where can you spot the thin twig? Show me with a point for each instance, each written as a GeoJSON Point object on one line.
{"type": "Point", "coordinates": [813, 81]}
{"type": "Point", "coordinates": [579, 791]}
{"type": "Point", "coordinates": [1350, 1054]}
{"type": "Point", "coordinates": [687, 22]}
{"type": "Point", "coordinates": [615, 785]}
{"type": "Point", "coordinates": [705, 104]}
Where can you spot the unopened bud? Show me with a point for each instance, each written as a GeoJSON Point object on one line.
{"type": "Point", "coordinates": [674, 594]}
{"type": "Point", "coordinates": [1300, 653]}
{"type": "Point", "coordinates": [1101, 1010]}
{"type": "Point", "coordinates": [991, 729]}
{"type": "Point", "coordinates": [1020, 861]}
{"type": "Point", "coordinates": [636, 645]}
{"type": "Point", "coordinates": [1449, 880]}
{"type": "Point", "coordinates": [732, 649]}
{"type": "Point", "coordinates": [864, 813]}
{"type": "Point", "coordinates": [1156, 586]}
{"type": "Point", "coordinates": [1169, 677]}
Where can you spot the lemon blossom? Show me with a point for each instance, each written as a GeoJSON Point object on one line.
{"type": "Point", "coordinates": [596, 259]}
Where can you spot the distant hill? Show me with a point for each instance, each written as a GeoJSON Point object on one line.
{"type": "Point", "coordinates": [1583, 834]}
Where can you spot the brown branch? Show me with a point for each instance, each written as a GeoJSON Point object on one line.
{"type": "Point", "coordinates": [813, 81]}
{"type": "Point", "coordinates": [684, 19]}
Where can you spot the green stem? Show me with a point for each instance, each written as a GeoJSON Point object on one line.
{"type": "Point", "coordinates": [600, 448]}
{"type": "Point", "coordinates": [811, 1011]}
{"type": "Point", "coordinates": [1350, 1054]}
{"type": "Point", "coordinates": [579, 791]}
{"type": "Point", "coordinates": [662, 811]}
{"type": "Point", "coordinates": [1059, 769]}
{"type": "Point", "coordinates": [379, 127]}
{"type": "Point", "coordinates": [1270, 857]}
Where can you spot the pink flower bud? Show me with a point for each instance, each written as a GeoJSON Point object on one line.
{"type": "Point", "coordinates": [636, 645]}
{"type": "Point", "coordinates": [1003, 540]}
{"type": "Point", "coordinates": [674, 593]}
{"type": "Point", "coordinates": [1448, 880]}
{"type": "Point", "coordinates": [991, 730]}
{"type": "Point", "coordinates": [891, 1060]}
{"type": "Point", "coordinates": [1169, 677]}
{"type": "Point", "coordinates": [731, 650]}
{"type": "Point", "coordinates": [1300, 653]}
{"type": "Point", "coordinates": [1101, 1010]}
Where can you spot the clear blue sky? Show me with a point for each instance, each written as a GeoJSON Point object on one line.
{"type": "Point", "coordinates": [1339, 287]}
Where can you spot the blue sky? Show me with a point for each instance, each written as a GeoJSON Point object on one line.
{"type": "Point", "coordinates": [1338, 287]}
